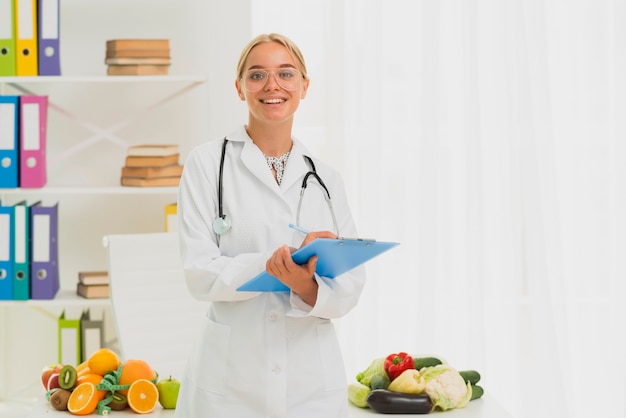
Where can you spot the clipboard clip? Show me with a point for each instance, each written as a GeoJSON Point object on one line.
{"type": "Point", "coordinates": [356, 239]}
{"type": "Point", "coordinates": [304, 231]}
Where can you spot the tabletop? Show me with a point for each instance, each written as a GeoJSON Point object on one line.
{"type": "Point", "coordinates": [485, 407]}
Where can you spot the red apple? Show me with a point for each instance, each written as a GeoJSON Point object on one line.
{"type": "Point", "coordinates": [53, 382]}
{"type": "Point", "coordinates": [48, 371]}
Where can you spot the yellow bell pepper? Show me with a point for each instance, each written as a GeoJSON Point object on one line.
{"type": "Point", "coordinates": [409, 381]}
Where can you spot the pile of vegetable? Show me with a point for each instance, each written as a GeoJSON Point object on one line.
{"type": "Point", "coordinates": [404, 384]}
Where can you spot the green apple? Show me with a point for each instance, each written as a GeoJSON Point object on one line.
{"type": "Point", "coordinates": [168, 392]}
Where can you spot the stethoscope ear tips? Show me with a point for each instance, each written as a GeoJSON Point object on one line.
{"type": "Point", "coordinates": [221, 225]}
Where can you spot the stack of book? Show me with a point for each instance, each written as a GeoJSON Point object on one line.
{"type": "Point", "coordinates": [152, 166]}
{"type": "Point", "coordinates": [138, 56]}
{"type": "Point", "coordinates": [93, 284]}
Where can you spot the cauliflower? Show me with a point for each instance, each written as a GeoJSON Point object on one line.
{"type": "Point", "coordinates": [445, 387]}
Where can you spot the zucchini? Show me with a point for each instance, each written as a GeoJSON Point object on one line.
{"type": "Point", "coordinates": [387, 402]}
{"type": "Point", "coordinates": [470, 375]}
{"type": "Point", "coordinates": [477, 392]}
{"type": "Point", "coordinates": [421, 362]}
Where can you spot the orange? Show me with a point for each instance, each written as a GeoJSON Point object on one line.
{"type": "Point", "coordinates": [89, 377]}
{"type": "Point", "coordinates": [143, 396]}
{"type": "Point", "coordinates": [133, 370]}
{"type": "Point", "coordinates": [84, 399]}
{"type": "Point", "coordinates": [82, 367]}
{"type": "Point", "coordinates": [102, 361]}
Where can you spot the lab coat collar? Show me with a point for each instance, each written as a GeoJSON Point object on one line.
{"type": "Point", "coordinates": [253, 159]}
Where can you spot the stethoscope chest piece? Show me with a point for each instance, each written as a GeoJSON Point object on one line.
{"type": "Point", "coordinates": [221, 225]}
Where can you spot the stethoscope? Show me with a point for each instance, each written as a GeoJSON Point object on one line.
{"type": "Point", "coordinates": [222, 223]}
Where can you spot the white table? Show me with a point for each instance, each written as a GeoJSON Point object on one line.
{"type": "Point", "coordinates": [43, 409]}
{"type": "Point", "coordinates": [485, 407]}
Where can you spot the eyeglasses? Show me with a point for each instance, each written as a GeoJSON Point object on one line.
{"type": "Point", "coordinates": [287, 78]}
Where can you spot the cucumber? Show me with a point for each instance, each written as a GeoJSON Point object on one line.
{"type": "Point", "coordinates": [421, 362]}
{"type": "Point", "coordinates": [477, 392]}
{"type": "Point", "coordinates": [470, 375]}
{"type": "Point", "coordinates": [388, 402]}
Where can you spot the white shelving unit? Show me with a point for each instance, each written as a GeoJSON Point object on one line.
{"type": "Point", "coordinates": [92, 119]}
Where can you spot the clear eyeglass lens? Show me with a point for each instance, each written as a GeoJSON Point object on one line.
{"type": "Point", "coordinates": [286, 78]}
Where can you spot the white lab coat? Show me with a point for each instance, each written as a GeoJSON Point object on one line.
{"type": "Point", "coordinates": [260, 354]}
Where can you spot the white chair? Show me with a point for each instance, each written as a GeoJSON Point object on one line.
{"type": "Point", "coordinates": [156, 319]}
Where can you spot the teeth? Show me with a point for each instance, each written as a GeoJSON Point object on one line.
{"type": "Point", "coordinates": [272, 101]}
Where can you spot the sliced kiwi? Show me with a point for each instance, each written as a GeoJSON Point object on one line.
{"type": "Point", "coordinates": [118, 402]}
{"type": "Point", "coordinates": [67, 377]}
{"type": "Point", "coordinates": [59, 399]}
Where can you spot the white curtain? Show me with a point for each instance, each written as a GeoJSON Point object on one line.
{"type": "Point", "coordinates": [488, 137]}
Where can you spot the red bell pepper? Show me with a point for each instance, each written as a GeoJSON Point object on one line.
{"type": "Point", "coordinates": [396, 363]}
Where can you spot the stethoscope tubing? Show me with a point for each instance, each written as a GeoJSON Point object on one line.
{"type": "Point", "coordinates": [220, 181]}
{"type": "Point", "coordinates": [222, 223]}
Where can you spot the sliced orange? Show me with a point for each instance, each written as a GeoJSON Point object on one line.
{"type": "Point", "coordinates": [133, 370]}
{"type": "Point", "coordinates": [84, 399]}
{"type": "Point", "coordinates": [102, 361]}
{"type": "Point", "coordinates": [143, 396]}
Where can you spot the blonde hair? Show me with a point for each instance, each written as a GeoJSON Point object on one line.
{"type": "Point", "coordinates": [293, 49]}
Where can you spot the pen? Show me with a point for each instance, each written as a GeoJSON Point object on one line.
{"type": "Point", "coordinates": [298, 228]}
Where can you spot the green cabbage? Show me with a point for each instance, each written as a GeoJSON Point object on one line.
{"type": "Point", "coordinates": [376, 368]}
{"type": "Point", "coordinates": [357, 394]}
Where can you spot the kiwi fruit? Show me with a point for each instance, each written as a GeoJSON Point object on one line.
{"type": "Point", "coordinates": [67, 377]}
{"type": "Point", "coordinates": [118, 402]}
{"type": "Point", "coordinates": [59, 399]}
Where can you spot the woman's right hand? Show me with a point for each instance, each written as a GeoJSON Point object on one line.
{"type": "Point", "coordinates": [317, 234]}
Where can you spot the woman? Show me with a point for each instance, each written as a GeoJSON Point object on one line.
{"type": "Point", "coordinates": [264, 354]}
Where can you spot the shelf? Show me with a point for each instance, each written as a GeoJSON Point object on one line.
{"type": "Point", "coordinates": [91, 190]}
{"type": "Point", "coordinates": [104, 79]}
{"type": "Point", "coordinates": [64, 298]}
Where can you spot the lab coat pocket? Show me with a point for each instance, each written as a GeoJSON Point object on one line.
{"type": "Point", "coordinates": [211, 357]}
{"type": "Point", "coordinates": [332, 360]}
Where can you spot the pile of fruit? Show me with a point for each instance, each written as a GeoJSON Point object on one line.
{"type": "Point", "coordinates": [405, 384]}
{"type": "Point", "coordinates": [104, 382]}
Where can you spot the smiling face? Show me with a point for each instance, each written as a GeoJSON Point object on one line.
{"type": "Point", "coordinates": [271, 104]}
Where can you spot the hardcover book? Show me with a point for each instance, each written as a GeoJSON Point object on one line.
{"type": "Point", "coordinates": [138, 70]}
{"type": "Point", "coordinates": [153, 172]}
{"type": "Point", "coordinates": [93, 277]}
{"type": "Point", "coordinates": [137, 61]}
{"type": "Point", "coordinates": [133, 161]}
{"type": "Point", "coordinates": [150, 182]}
{"type": "Point", "coordinates": [115, 44]}
{"type": "Point", "coordinates": [92, 291]}
{"type": "Point", "coordinates": [138, 53]}
{"type": "Point", "coordinates": [152, 150]}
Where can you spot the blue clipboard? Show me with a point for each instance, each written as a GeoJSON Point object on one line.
{"type": "Point", "coordinates": [335, 257]}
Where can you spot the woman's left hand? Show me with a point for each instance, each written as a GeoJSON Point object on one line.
{"type": "Point", "coordinates": [299, 278]}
